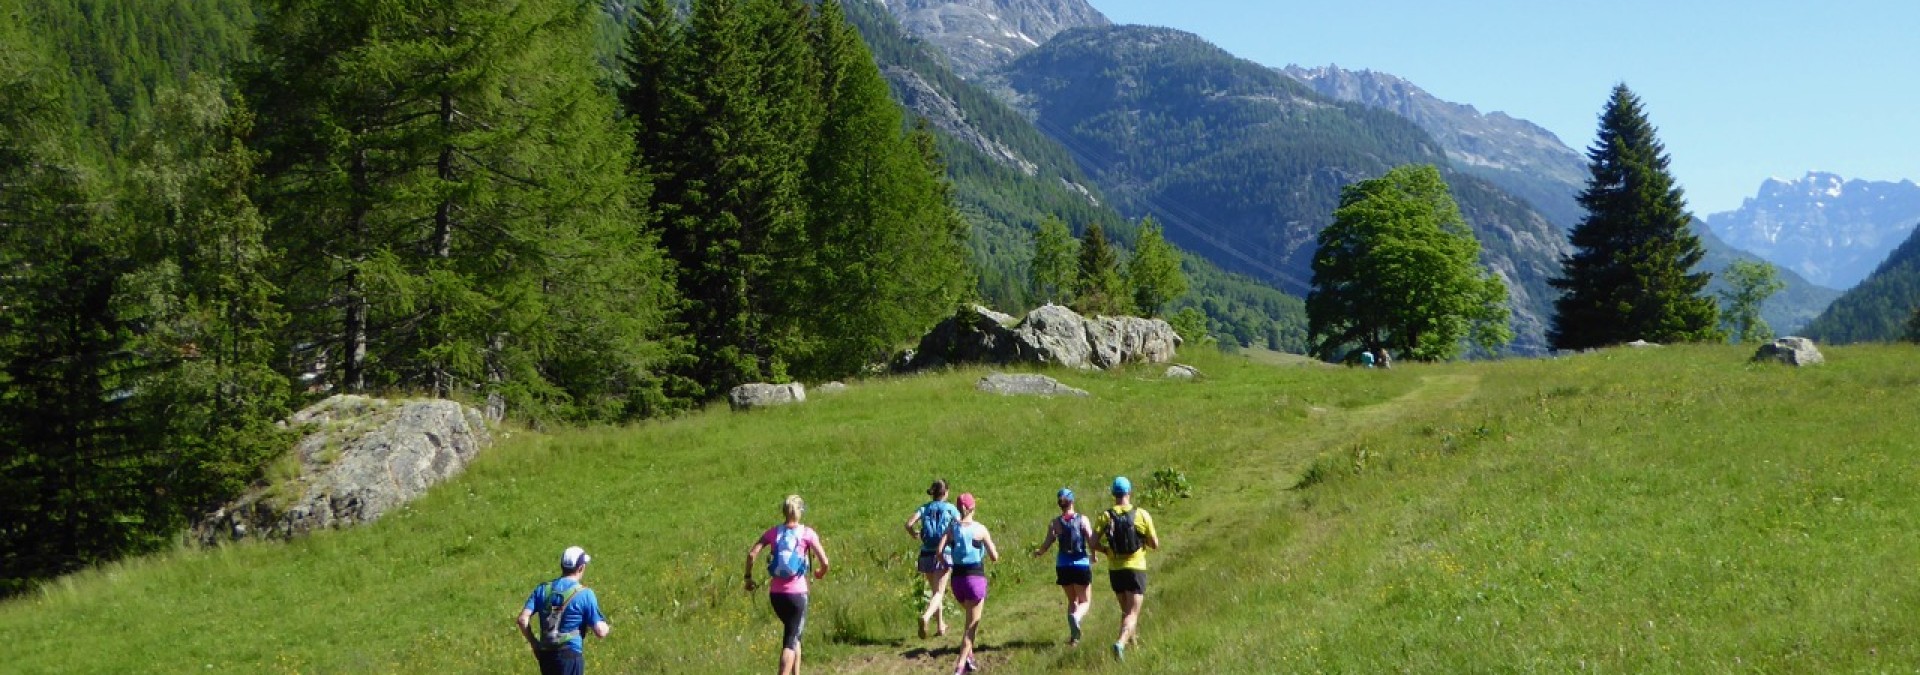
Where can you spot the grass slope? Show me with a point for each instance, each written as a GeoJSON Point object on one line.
{"type": "Point", "coordinates": [1656, 510]}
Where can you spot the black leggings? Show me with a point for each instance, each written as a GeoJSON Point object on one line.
{"type": "Point", "coordinates": [792, 610]}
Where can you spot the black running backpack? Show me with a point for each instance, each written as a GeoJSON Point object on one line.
{"type": "Point", "coordinates": [1122, 537]}
{"type": "Point", "coordinates": [1073, 539]}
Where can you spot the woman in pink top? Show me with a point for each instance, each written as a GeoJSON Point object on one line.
{"type": "Point", "coordinates": [794, 548]}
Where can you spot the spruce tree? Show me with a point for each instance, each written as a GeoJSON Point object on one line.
{"type": "Point", "coordinates": [71, 464]}
{"type": "Point", "coordinates": [1631, 273]}
{"type": "Point", "coordinates": [1913, 327]}
{"type": "Point", "coordinates": [884, 256]}
{"type": "Point", "coordinates": [210, 321]}
{"type": "Point", "coordinates": [1100, 289]}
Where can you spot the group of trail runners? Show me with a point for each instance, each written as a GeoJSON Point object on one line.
{"type": "Point", "coordinates": [954, 551]}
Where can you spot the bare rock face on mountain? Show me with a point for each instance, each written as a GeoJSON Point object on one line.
{"type": "Point", "coordinates": [1050, 335]}
{"type": "Point", "coordinates": [926, 101]}
{"type": "Point", "coordinates": [361, 458]}
{"type": "Point", "coordinates": [981, 35]}
{"type": "Point", "coordinates": [1831, 230]}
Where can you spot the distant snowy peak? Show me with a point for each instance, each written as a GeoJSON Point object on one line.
{"type": "Point", "coordinates": [1818, 185]}
{"type": "Point", "coordinates": [1831, 230]}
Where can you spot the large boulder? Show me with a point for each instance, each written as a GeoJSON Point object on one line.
{"type": "Point", "coordinates": [1793, 351]}
{"type": "Point", "coordinates": [1026, 385]}
{"type": "Point", "coordinates": [1051, 335]}
{"type": "Point", "coordinates": [761, 395]}
{"type": "Point", "coordinates": [360, 459]}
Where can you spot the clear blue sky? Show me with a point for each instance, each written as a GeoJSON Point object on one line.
{"type": "Point", "coordinates": [1741, 91]}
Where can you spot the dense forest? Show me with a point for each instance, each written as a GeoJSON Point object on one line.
{"type": "Point", "coordinates": [1879, 309]}
{"type": "Point", "coordinates": [562, 211]}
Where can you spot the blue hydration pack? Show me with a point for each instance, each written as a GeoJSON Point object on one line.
{"type": "Point", "coordinates": [936, 517]}
{"type": "Point", "coordinates": [788, 560]}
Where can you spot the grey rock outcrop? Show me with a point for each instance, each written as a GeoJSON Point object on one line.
{"type": "Point", "coordinates": [1050, 335]}
{"type": "Point", "coordinates": [361, 459]}
{"type": "Point", "coordinates": [1026, 385]}
{"type": "Point", "coordinates": [832, 388]}
{"type": "Point", "coordinates": [1793, 351]}
{"type": "Point", "coordinates": [761, 395]}
{"type": "Point", "coordinates": [1182, 372]}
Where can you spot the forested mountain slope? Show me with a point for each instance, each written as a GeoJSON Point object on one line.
{"type": "Point", "coordinates": [1246, 164]}
{"type": "Point", "coordinates": [1878, 308]}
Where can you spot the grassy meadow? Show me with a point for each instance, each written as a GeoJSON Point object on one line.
{"type": "Point", "coordinates": [1658, 510]}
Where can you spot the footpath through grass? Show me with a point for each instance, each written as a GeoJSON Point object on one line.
{"type": "Point", "coordinates": [1658, 510]}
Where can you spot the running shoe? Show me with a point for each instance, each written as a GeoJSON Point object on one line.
{"type": "Point", "coordinates": [1073, 624]}
{"type": "Point", "coordinates": [1119, 652]}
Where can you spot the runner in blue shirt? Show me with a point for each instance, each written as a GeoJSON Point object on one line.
{"type": "Point", "coordinates": [928, 523]}
{"type": "Point", "coordinates": [1073, 565]}
{"type": "Point", "coordinates": [564, 607]}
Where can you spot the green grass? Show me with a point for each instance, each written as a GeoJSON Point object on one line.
{"type": "Point", "coordinates": [1624, 511]}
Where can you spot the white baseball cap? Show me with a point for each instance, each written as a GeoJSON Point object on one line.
{"type": "Point", "coordinates": [574, 557]}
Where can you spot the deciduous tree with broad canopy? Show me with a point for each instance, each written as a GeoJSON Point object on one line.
{"type": "Point", "coordinates": [1399, 270]}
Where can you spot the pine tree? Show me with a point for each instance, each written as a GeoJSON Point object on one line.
{"type": "Point", "coordinates": [1055, 267]}
{"type": "Point", "coordinates": [1630, 276]}
{"type": "Point", "coordinates": [1913, 326]}
{"type": "Point", "coordinates": [1154, 271]}
{"type": "Point", "coordinates": [1100, 290]}
{"type": "Point", "coordinates": [71, 466]}
{"type": "Point", "coordinates": [455, 200]}
{"type": "Point", "coordinates": [884, 256]}
{"type": "Point", "coordinates": [202, 295]}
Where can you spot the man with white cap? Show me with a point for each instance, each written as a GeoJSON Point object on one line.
{"type": "Point", "coordinates": [563, 606]}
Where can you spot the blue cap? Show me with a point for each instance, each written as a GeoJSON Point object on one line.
{"type": "Point", "coordinates": [1122, 486]}
{"type": "Point", "coordinates": [1066, 493]}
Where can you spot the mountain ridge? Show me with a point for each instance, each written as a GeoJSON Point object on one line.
{"type": "Point", "coordinates": [1832, 230]}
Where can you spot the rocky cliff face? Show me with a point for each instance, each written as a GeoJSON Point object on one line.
{"type": "Point", "coordinates": [981, 35]}
{"type": "Point", "coordinates": [1831, 230]}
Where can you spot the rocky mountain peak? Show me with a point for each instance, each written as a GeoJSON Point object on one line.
{"type": "Point", "coordinates": [1828, 228]}
{"type": "Point", "coordinates": [982, 35]}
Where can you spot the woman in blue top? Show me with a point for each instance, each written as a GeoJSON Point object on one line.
{"type": "Point", "coordinates": [1073, 566]}
{"type": "Point", "coordinates": [971, 547]}
{"type": "Point", "coordinates": [933, 519]}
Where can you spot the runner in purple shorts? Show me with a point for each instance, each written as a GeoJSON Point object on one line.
{"type": "Point", "coordinates": [932, 521]}
{"type": "Point", "coordinates": [971, 546]}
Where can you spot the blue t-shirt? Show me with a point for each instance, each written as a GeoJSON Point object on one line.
{"type": "Point", "coordinates": [935, 518]}
{"type": "Point", "coordinates": [582, 612]}
{"type": "Point", "coordinates": [1060, 529]}
{"type": "Point", "coordinates": [965, 546]}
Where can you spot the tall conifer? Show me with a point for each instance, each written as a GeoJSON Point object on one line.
{"type": "Point", "coordinates": [1631, 273]}
{"type": "Point", "coordinates": [456, 200]}
{"type": "Point", "coordinates": [71, 464]}
{"type": "Point", "coordinates": [1100, 289]}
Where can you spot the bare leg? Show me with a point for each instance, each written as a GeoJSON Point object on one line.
{"type": "Point", "coordinates": [938, 582]}
{"type": "Point", "coordinates": [967, 637]}
{"type": "Point", "coordinates": [789, 661]}
{"type": "Point", "coordinates": [1129, 616]}
{"type": "Point", "coordinates": [1082, 601]}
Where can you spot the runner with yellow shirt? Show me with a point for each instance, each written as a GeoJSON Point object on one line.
{"type": "Point", "coordinates": [1125, 534]}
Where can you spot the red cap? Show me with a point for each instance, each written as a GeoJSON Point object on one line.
{"type": "Point", "coordinates": [966, 501]}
